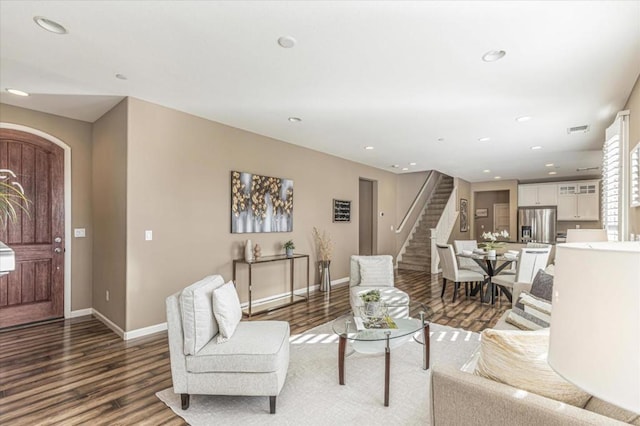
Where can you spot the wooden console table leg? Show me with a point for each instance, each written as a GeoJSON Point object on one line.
{"type": "Point", "coordinates": [342, 347]}
{"type": "Point", "coordinates": [387, 368]}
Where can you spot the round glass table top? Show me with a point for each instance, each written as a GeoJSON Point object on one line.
{"type": "Point", "coordinates": [376, 324]}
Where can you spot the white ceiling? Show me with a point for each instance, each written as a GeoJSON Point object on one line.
{"type": "Point", "coordinates": [393, 75]}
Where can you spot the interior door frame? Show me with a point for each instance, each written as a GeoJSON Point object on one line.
{"type": "Point", "coordinates": [67, 205]}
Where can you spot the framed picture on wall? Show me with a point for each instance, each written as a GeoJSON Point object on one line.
{"type": "Point", "coordinates": [464, 215]}
{"type": "Point", "coordinates": [482, 212]}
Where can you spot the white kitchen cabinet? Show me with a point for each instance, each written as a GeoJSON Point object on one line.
{"type": "Point", "coordinates": [538, 195]}
{"type": "Point", "coordinates": [579, 201]}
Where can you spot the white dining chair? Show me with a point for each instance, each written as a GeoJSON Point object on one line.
{"type": "Point", "coordinates": [465, 262]}
{"type": "Point", "coordinates": [451, 272]}
{"type": "Point", "coordinates": [530, 261]}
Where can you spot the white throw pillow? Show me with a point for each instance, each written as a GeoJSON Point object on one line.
{"type": "Point", "coordinates": [198, 323]}
{"type": "Point", "coordinates": [519, 359]}
{"type": "Point", "coordinates": [227, 310]}
{"type": "Point", "coordinates": [376, 271]}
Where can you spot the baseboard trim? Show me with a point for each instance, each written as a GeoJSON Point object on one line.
{"type": "Point", "coordinates": [157, 328]}
{"type": "Point", "coordinates": [81, 313]}
{"type": "Point", "coordinates": [298, 291]}
{"type": "Point", "coordinates": [106, 321]}
{"type": "Point", "coordinates": [145, 331]}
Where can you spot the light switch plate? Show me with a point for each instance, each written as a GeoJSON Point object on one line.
{"type": "Point", "coordinates": [79, 233]}
{"type": "Point", "coordinates": [148, 235]}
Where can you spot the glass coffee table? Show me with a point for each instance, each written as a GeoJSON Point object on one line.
{"type": "Point", "coordinates": [377, 334]}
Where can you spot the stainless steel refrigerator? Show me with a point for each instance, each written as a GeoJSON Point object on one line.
{"type": "Point", "coordinates": [537, 224]}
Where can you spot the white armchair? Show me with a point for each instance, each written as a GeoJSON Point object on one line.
{"type": "Point", "coordinates": [253, 361]}
{"type": "Point", "coordinates": [376, 273]}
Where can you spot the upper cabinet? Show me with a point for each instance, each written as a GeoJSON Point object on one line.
{"type": "Point", "coordinates": [579, 200]}
{"type": "Point", "coordinates": [537, 195]}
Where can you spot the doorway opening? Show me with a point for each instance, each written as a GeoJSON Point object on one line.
{"type": "Point", "coordinates": [492, 212]}
{"type": "Point", "coordinates": [367, 217]}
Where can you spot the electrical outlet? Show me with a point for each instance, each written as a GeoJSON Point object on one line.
{"type": "Point", "coordinates": [106, 295]}
{"type": "Point", "coordinates": [148, 235]}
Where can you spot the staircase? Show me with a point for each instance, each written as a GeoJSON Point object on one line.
{"type": "Point", "coordinates": [417, 256]}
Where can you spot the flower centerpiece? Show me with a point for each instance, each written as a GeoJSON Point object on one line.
{"type": "Point", "coordinates": [492, 244]}
{"type": "Point", "coordinates": [371, 300]}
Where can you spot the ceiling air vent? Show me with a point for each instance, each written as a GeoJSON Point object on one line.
{"type": "Point", "coordinates": [585, 169]}
{"type": "Point", "coordinates": [578, 129]}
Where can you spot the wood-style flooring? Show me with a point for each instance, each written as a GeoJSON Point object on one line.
{"type": "Point", "coordinates": [79, 372]}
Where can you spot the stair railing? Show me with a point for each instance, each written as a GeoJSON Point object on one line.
{"type": "Point", "coordinates": [416, 210]}
{"type": "Point", "coordinates": [440, 234]}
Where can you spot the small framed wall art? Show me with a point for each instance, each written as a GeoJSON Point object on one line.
{"type": "Point", "coordinates": [464, 215]}
{"type": "Point", "coordinates": [341, 210]}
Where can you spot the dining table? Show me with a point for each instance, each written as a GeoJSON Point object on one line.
{"type": "Point", "coordinates": [492, 266]}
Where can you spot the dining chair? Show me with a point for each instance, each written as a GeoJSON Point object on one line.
{"type": "Point", "coordinates": [465, 262]}
{"type": "Point", "coordinates": [530, 261]}
{"type": "Point", "coordinates": [451, 272]}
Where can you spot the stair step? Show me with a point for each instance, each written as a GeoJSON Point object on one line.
{"type": "Point", "coordinates": [415, 260]}
{"type": "Point", "coordinates": [411, 267]}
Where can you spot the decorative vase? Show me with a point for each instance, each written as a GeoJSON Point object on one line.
{"type": "Point", "coordinates": [371, 309]}
{"type": "Point", "coordinates": [248, 251]}
{"type": "Point", "coordinates": [325, 276]}
{"type": "Point", "coordinates": [289, 252]}
{"type": "Point", "coordinates": [491, 253]}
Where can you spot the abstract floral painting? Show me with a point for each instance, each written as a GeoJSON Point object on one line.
{"type": "Point", "coordinates": [260, 203]}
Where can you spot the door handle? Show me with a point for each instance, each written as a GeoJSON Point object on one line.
{"type": "Point", "coordinates": [57, 250]}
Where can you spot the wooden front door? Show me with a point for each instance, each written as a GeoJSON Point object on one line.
{"type": "Point", "coordinates": [34, 291]}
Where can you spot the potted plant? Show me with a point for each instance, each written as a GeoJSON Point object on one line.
{"type": "Point", "coordinates": [492, 244]}
{"type": "Point", "coordinates": [288, 247]}
{"type": "Point", "coordinates": [12, 201]}
{"type": "Point", "coordinates": [371, 301]}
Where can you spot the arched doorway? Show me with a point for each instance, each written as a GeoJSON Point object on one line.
{"type": "Point", "coordinates": [35, 290]}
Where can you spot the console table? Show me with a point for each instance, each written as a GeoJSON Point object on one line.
{"type": "Point", "coordinates": [280, 302]}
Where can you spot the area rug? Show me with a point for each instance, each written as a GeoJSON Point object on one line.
{"type": "Point", "coordinates": [312, 396]}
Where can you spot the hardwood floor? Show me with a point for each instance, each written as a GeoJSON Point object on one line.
{"type": "Point", "coordinates": [78, 371]}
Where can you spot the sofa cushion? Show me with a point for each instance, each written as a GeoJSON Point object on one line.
{"type": "Point", "coordinates": [541, 287]}
{"type": "Point", "coordinates": [596, 405]}
{"type": "Point", "coordinates": [227, 310]}
{"type": "Point", "coordinates": [198, 322]}
{"type": "Point", "coordinates": [256, 347]}
{"type": "Point", "coordinates": [524, 320]}
{"type": "Point", "coordinates": [519, 359]}
{"type": "Point", "coordinates": [376, 271]}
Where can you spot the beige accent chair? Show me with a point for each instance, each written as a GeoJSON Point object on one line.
{"type": "Point", "coordinates": [376, 273]}
{"type": "Point", "coordinates": [451, 272]}
{"type": "Point", "coordinates": [530, 261]}
{"type": "Point", "coordinates": [253, 361]}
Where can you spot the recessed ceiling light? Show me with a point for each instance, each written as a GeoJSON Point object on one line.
{"type": "Point", "coordinates": [497, 177]}
{"type": "Point", "coordinates": [395, 166]}
{"type": "Point", "coordinates": [549, 165]}
{"type": "Point", "coordinates": [287, 42]}
{"type": "Point", "coordinates": [412, 164]}
{"type": "Point", "coordinates": [553, 173]}
{"type": "Point", "coordinates": [486, 171]}
{"type": "Point", "coordinates": [493, 55]}
{"type": "Point", "coordinates": [294, 119]}
{"type": "Point", "coordinates": [485, 139]}
{"type": "Point", "coordinates": [535, 148]}
{"type": "Point", "coordinates": [368, 148]}
{"type": "Point", "coordinates": [523, 119]}
{"type": "Point", "coordinates": [49, 25]}
{"type": "Point", "coordinates": [404, 169]}
{"type": "Point", "coordinates": [121, 77]}
{"type": "Point", "coordinates": [17, 92]}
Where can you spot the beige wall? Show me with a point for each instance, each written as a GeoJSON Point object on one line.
{"type": "Point", "coordinates": [633, 105]}
{"type": "Point", "coordinates": [178, 185]}
{"type": "Point", "coordinates": [109, 213]}
{"type": "Point", "coordinates": [464, 191]}
{"type": "Point", "coordinates": [77, 135]}
{"type": "Point", "coordinates": [499, 185]}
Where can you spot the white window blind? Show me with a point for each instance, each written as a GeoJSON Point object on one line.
{"type": "Point", "coordinates": [614, 180]}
